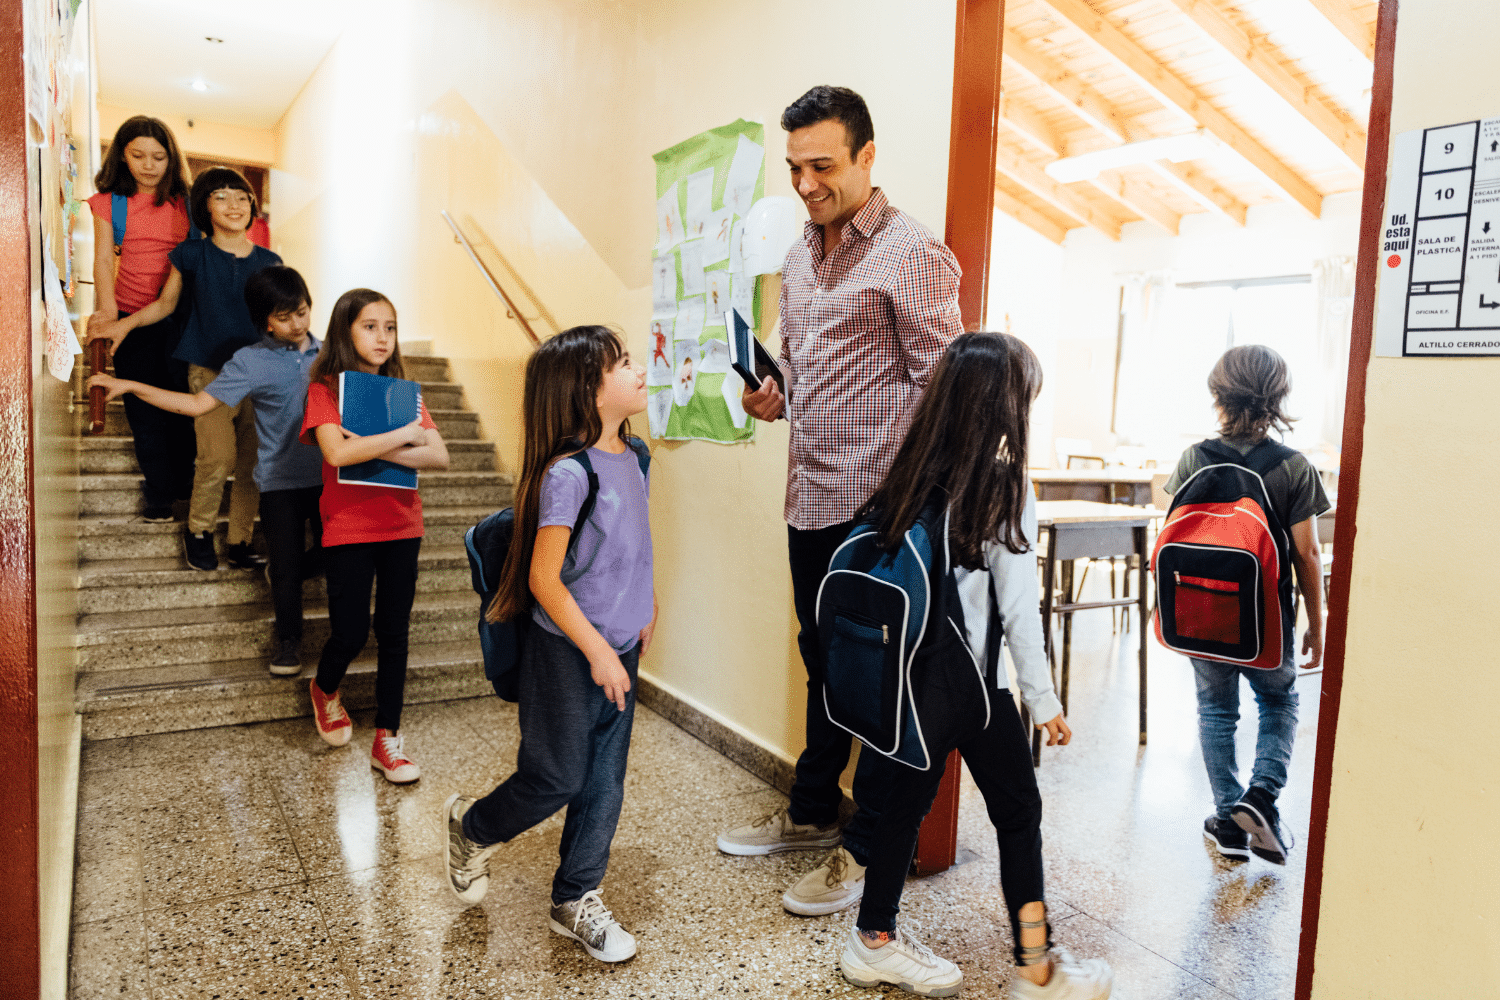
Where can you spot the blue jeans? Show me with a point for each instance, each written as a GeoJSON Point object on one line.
{"type": "Point", "coordinates": [574, 743]}
{"type": "Point", "coordinates": [1219, 711]}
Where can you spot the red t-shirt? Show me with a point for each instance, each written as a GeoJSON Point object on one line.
{"type": "Point", "coordinates": [353, 512]}
{"type": "Point", "coordinates": [151, 230]}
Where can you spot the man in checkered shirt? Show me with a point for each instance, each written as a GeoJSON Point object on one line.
{"type": "Point", "coordinates": [869, 302]}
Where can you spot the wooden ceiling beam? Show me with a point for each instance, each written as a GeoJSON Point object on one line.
{"type": "Point", "coordinates": [1338, 14]}
{"type": "Point", "coordinates": [1261, 60]}
{"type": "Point", "coordinates": [1175, 93]}
{"type": "Point", "coordinates": [1021, 120]}
{"type": "Point", "coordinates": [1201, 188]}
{"type": "Point", "coordinates": [1029, 216]}
{"type": "Point", "coordinates": [1068, 202]}
{"type": "Point", "coordinates": [1134, 195]}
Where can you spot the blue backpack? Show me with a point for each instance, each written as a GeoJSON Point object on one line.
{"type": "Point", "coordinates": [889, 624]}
{"type": "Point", "coordinates": [487, 544]}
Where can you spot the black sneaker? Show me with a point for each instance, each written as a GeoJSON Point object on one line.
{"type": "Point", "coordinates": [287, 662]}
{"type": "Point", "coordinates": [1256, 814]}
{"type": "Point", "coordinates": [199, 550]}
{"type": "Point", "coordinates": [243, 556]}
{"type": "Point", "coordinates": [157, 515]}
{"type": "Point", "coordinates": [1228, 839]}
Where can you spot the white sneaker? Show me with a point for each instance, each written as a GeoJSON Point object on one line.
{"type": "Point", "coordinates": [1089, 979]}
{"type": "Point", "coordinates": [837, 883]}
{"type": "Point", "coordinates": [775, 833]}
{"type": "Point", "coordinates": [909, 964]}
{"type": "Point", "coordinates": [467, 863]}
{"type": "Point", "coordinates": [590, 923]}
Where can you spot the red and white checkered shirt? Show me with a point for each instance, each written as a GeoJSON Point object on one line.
{"type": "Point", "coordinates": [861, 330]}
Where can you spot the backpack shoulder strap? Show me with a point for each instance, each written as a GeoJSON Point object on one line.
{"type": "Point", "coordinates": [1266, 456]}
{"type": "Point", "coordinates": [119, 210]}
{"type": "Point", "coordinates": [642, 453]}
{"type": "Point", "coordinates": [1222, 452]}
{"type": "Point", "coordinates": [582, 458]}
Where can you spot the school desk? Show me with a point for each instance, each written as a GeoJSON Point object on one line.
{"type": "Point", "coordinates": [1130, 486]}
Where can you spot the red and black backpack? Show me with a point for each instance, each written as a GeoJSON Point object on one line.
{"type": "Point", "coordinates": [1223, 562]}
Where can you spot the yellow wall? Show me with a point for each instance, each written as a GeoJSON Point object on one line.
{"type": "Point", "coordinates": [1411, 898]}
{"type": "Point", "coordinates": [536, 122]}
{"type": "Point", "coordinates": [203, 138]}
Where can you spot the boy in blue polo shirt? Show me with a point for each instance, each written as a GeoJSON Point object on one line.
{"type": "Point", "coordinates": [288, 473]}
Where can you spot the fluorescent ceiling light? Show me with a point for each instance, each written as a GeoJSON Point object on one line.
{"type": "Point", "coordinates": [199, 86]}
{"type": "Point", "coordinates": [1177, 148]}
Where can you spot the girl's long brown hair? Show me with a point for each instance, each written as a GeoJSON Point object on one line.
{"type": "Point", "coordinates": [560, 409]}
{"type": "Point", "coordinates": [114, 175]}
{"type": "Point", "coordinates": [1250, 385]}
{"type": "Point", "coordinates": [967, 443]}
{"type": "Point", "coordinates": [338, 353]}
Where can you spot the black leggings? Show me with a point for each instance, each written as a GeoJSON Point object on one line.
{"type": "Point", "coordinates": [165, 444]}
{"type": "Point", "coordinates": [351, 571]}
{"type": "Point", "coordinates": [999, 758]}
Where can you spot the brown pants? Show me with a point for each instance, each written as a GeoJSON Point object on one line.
{"type": "Point", "coordinates": [226, 444]}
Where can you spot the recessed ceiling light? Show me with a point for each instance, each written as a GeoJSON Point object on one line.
{"type": "Point", "coordinates": [198, 85]}
{"type": "Point", "coordinates": [211, 38]}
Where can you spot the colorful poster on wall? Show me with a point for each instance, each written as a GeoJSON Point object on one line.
{"type": "Point", "coordinates": [703, 186]}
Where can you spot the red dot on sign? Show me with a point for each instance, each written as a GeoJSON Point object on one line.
{"type": "Point", "coordinates": [1394, 260]}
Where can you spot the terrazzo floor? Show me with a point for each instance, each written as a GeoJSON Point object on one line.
{"type": "Point", "coordinates": [254, 861]}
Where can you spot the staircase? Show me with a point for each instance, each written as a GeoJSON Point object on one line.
{"type": "Point", "coordinates": [163, 647]}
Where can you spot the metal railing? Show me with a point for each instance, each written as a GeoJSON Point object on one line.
{"type": "Point", "coordinates": [512, 311]}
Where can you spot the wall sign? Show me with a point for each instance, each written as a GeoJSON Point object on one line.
{"type": "Point", "coordinates": [1440, 246]}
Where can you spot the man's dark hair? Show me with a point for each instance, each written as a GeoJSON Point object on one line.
{"type": "Point", "coordinates": [216, 179]}
{"type": "Point", "coordinates": [838, 103]}
{"type": "Point", "coordinates": [273, 290]}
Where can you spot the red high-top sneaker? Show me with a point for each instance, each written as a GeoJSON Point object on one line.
{"type": "Point", "coordinates": [387, 757]}
{"type": "Point", "coordinates": [333, 723]}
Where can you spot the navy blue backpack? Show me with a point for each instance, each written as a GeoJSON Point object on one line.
{"type": "Point", "coordinates": [487, 544]}
{"type": "Point", "coordinates": [889, 622]}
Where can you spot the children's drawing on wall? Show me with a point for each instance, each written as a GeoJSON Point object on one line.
{"type": "Point", "coordinates": [689, 324]}
{"type": "Point", "coordinates": [690, 255]}
{"type": "Point", "coordinates": [700, 198]}
{"type": "Point", "coordinates": [715, 358]}
{"type": "Point", "coordinates": [658, 409]}
{"type": "Point", "coordinates": [716, 296]}
{"type": "Point", "coordinates": [659, 367]}
{"type": "Point", "coordinates": [737, 247]}
{"type": "Point", "coordinates": [733, 386]}
{"type": "Point", "coordinates": [744, 172]}
{"type": "Point", "coordinates": [669, 230]}
{"type": "Point", "coordinates": [742, 294]}
{"type": "Point", "coordinates": [663, 284]}
{"type": "Point", "coordinates": [686, 355]}
{"type": "Point", "coordinates": [716, 236]}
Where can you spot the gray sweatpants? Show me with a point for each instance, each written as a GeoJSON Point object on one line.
{"type": "Point", "coordinates": [574, 743]}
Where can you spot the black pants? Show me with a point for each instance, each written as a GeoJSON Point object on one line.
{"type": "Point", "coordinates": [391, 568]}
{"type": "Point", "coordinates": [574, 743]}
{"type": "Point", "coordinates": [999, 758]}
{"type": "Point", "coordinates": [815, 793]}
{"type": "Point", "coordinates": [284, 517]}
{"type": "Point", "coordinates": [165, 444]}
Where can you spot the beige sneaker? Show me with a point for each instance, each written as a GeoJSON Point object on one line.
{"type": "Point", "coordinates": [776, 833]}
{"type": "Point", "coordinates": [835, 884]}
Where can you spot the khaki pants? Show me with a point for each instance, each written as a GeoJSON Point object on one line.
{"type": "Point", "coordinates": [226, 444]}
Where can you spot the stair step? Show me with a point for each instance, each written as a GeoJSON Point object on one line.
{"type": "Point", "coordinates": [120, 492]}
{"type": "Point", "coordinates": [120, 703]}
{"type": "Point", "coordinates": [121, 640]}
{"type": "Point", "coordinates": [149, 584]}
{"type": "Point", "coordinates": [125, 536]}
{"type": "Point", "coordinates": [116, 454]}
{"type": "Point", "coordinates": [455, 424]}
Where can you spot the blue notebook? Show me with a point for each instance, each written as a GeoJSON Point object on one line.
{"type": "Point", "coordinates": [375, 404]}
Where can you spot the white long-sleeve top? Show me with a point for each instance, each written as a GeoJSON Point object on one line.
{"type": "Point", "coordinates": [1018, 597]}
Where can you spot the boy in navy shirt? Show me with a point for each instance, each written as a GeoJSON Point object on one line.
{"type": "Point", "coordinates": [272, 375]}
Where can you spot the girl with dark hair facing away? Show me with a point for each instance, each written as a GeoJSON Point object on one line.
{"type": "Point", "coordinates": [371, 534]}
{"type": "Point", "coordinates": [1249, 386]}
{"type": "Point", "coordinates": [965, 456]}
{"type": "Point", "coordinates": [143, 174]}
{"type": "Point", "coordinates": [593, 610]}
{"type": "Point", "coordinates": [214, 270]}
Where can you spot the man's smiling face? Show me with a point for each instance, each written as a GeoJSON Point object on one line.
{"type": "Point", "coordinates": [831, 182]}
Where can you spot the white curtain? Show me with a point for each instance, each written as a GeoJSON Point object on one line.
{"type": "Point", "coordinates": [1333, 286]}
{"type": "Point", "coordinates": [1145, 308]}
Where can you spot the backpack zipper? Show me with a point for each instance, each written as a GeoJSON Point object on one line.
{"type": "Point", "coordinates": [885, 635]}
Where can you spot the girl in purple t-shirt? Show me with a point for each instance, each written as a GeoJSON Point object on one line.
{"type": "Point", "coordinates": [594, 612]}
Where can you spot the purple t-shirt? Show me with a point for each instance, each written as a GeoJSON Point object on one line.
{"type": "Point", "coordinates": [608, 570]}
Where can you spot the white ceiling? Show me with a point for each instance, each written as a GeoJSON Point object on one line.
{"type": "Point", "coordinates": [150, 51]}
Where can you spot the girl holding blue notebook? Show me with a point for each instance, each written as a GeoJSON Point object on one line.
{"type": "Point", "coordinates": [371, 533]}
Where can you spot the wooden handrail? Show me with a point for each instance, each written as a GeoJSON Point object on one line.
{"type": "Point", "coordinates": [97, 359]}
{"type": "Point", "coordinates": [511, 309]}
